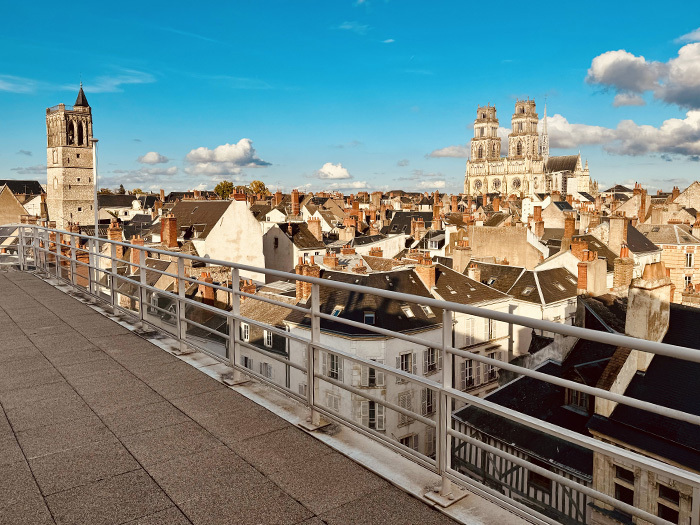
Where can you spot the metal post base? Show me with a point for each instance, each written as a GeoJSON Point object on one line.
{"type": "Point", "coordinates": [235, 378]}
{"type": "Point", "coordinates": [446, 494]}
{"type": "Point", "coordinates": [183, 349]}
{"type": "Point", "coordinates": [314, 422]}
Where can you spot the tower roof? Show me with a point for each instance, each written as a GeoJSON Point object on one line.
{"type": "Point", "coordinates": [81, 100]}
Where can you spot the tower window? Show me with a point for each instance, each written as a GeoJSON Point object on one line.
{"type": "Point", "coordinates": [78, 155]}
{"type": "Point", "coordinates": [480, 153]}
{"type": "Point", "coordinates": [80, 209]}
{"type": "Point", "coordinates": [78, 179]}
{"type": "Point", "coordinates": [80, 135]}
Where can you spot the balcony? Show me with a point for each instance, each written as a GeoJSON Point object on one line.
{"type": "Point", "coordinates": [194, 445]}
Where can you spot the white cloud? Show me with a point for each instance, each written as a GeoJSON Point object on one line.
{"type": "Point", "coordinates": [676, 81]}
{"type": "Point", "coordinates": [39, 169]}
{"type": "Point", "coordinates": [24, 152]}
{"type": "Point", "coordinates": [14, 84]}
{"type": "Point", "coordinates": [628, 99]}
{"type": "Point", "coordinates": [355, 27]}
{"type": "Point", "coordinates": [142, 177]}
{"type": "Point", "coordinates": [563, 134]}
{"type": "Point", "coordinates": [333, 171]}
{"type": "Point", "coordinates": [227, 159]}
{"type": "Point", "coordinates": [350, 185]}
{"type": "Point", "coordinates": [388, 41]}
{"type": "Point", "coordinates": [693, 36]}
{"type": "Point", "coordinates": [403, 162]}
{"type": "Point", "coordinates": [114, 83]}
{"type": "Point", "coordinates": [458, 152]}
{"type": "Point", "coordinates": [153, 157]}
{"type": "Point", "coordinates": [431, 184]}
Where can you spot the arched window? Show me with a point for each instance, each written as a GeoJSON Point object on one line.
{"type": "Point", "coordinates": [519, 149]}
{"type": "Point", "coordinates": [70, 135]}
{"type": "Point", "coordinates": [480, 153]}
{"type": "Point", "coordinates": [80, 135]}
{"type": "Point", "coordinates": [494, 150]}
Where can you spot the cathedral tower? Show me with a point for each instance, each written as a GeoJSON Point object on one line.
{"type": "Point", "coordinates": [486, 144]}
{"type": "Point", "coordinates": [523, 141]}
{"type": "Point", "coordinates": [70, 185]}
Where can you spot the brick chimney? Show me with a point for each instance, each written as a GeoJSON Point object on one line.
{"type": "Point", "coordinates": [208, 293]}
{"type": "Point", "coordinates": [556, 196]}
{"type": "Point", "coordinates": [582, 283]}
{"type": "Point", "coordinates": [417, 228]}
{"type": "Point", "coordinates": [347, 250]}
{"type": "Point", "coordinates": [454, 199]}
{"type": "Point", "coordinates": [295, 202]}
{"type": "Point", "coordinates": [696, 228]}
{"type": "Point", "coordinates": [299, 270]}
{"type": "Point", "coordinates": [168, 230]}
{"type": "Point", "coordinates": [278, 198]}
{"type": "Point", "coordinates": [427, 272]}
{"type": "Point", "coordinates": [623, 267]}
{"type": "Point", "coordinates": [569, 230]}
{"type": "Point", "coordinates": [373, 228]}
{"type": "Point", "coordinates": [247, 286]}
{"type": "Point", "coordinates": [598, 203]}
{"type": "Point", "coordinates": [570, 198]}
{"type": "Point", "coordinates": [618, 232]}
{"type": "Point", "coordinates": [376, 252]}
{"type": "Point", "coordinates": [538, 223]}
{"type": "Point", "coordinates": [114, 233]}
{"type": "Point", "coordinates": [675, 193]}
{"type": "Point", "coordinates": [330, 259]}
{"type": "Point", "coordinates": [496, 204]}
{"type": "Point", "coordinates": [461, 256]}
{"type": "Point", "coordinates": [577, 248]}
{"type": "Point", "coordinates": [135, 252]}
{"type": "Point", "coordinates": [474, 273]}
{"type": "Point", "coordinates": [376, 198]}
{"type": "Point", "coordinates": [162, 195]}
{"type": "Point", "coordinates": [360, 268]}
{"type": "Point", "coordinates": [315, 228]}
{"type": "Point", "coordinates": [310, 270]}
{"type": "Point", "coordinates": [197, 195]}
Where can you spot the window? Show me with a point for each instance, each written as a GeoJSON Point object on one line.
{"type": "Point", "coordinates": [689, 260]}
{"type": "Point", "coordinates": [428, 402]}
{"type": "Point", "coordinates": [434, 245]}
{"type": "Point", "coordinates": [80, 209]}
{"type": "Point", "coordinates": [369, 318]}
{"type": "Point", "coordinates": [333, 402]}
{"type": "Point", "coordinates": [268, 339]}
{"type": "Point", "coordinates": [372, 377]}
{"type": "Point", "coordinates": [247, 361]}
{"type": "Point", "coordinates": [490, 281]}
{"type": "Point", "coordinates": [467, 374]}
{"type": "Point", "coordinates": [277, 242]}
{"type": "Point", "coordinates": [405, 402]}
{"type": "Point", "coordinates": [407, 311]}
{"type": "Point", "coordinates": [336, 311]}
{"type": "Point", "coordinates": [687, 280]}
{"type": "Point", "coordinates": [78, 179]}
{"type": "Point", "coordinates": [302, 390]}
{"type": "Point", "coordinates": [332, 366]}
{"type": "Point", "coordinates": [266, 370]}
{"type": "Point", "coordinates": [490, 370]}
{"type": "Point", "coordinates": [245, 332]}
{"type": "Point", "coordinates": [430, 442]}
{"type": "Point", "coordinates": [410, 441]}
{"type": "Point", "coordinates": [577, 399]}
{"type": "Point", "coordinates": [372, 415]}
{"type": "Point", "coordinates": [668, 503]}
{"type": "Point", "coordinates": [407, 363]}
{"type": "Point", "coordinates": [427, 311]}
{"type": "Point", "coordinates": [528, 290]}
{"type": "Point", "coordinates": [624, 485]}
{"type": "Point", "coordinates": [539, 481]}
{"type": "Point", "coordinates": [432, 360]}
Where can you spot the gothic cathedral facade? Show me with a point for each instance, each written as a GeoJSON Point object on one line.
{"type": "Point", "coordinates": [527, 168]}
{"type": "Point", "coordinates": [69, 159]}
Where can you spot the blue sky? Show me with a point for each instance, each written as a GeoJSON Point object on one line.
{"type": "Point", "coordinates": [370, 94]}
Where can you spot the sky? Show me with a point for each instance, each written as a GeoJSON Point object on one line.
{"type": "Point", "coordinates": [350, 94]}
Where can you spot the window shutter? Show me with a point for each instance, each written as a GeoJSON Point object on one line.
{"type": "Point", "coordinates": [364, 376]}
{"type": "Point", "coordinates": [324, 363]}
{"type": "Point", "coordinates": [439, 358]}
{"type": "Point", "coordinates": [486, 329]}
{"type": "Point", "coordinates": [470, 331]}
{"type": "Point", "coordinates": [425, 361]}
{"type": "Point", "coordinates": [414, 363]}
{"type": "Point", "coordinates": [398, 365]}
{"type": "Point", "coordinates": [262, 369]}
{"type": "Point", "coordinates": [424, 401]}
{"type": "Point", "coordinates": [380, 416]}
{"type": "Point", "coordinates": [340, 367]}
{"type": "Point", "coordinates": [364, 413]}
{"type": "Point", "coordinates": [463, 375]}
{"type": "Point", "coordinates": [379, 375]}
{"type": "Point", "coordinates": [477, 376]}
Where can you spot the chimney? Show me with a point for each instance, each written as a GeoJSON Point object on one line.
{"type": "Point", "coordinates": [598, 203]}
{"type": "Point", "coordinates": [648, 308]}
{"type": "Point", "coordinates": [556, 196]}
{"type": "Point", "coordinates": [278, 198]}
{"type": "Point", "coordinates": [310, 270]}
{"type": "Point", "coordinates": [168, 230]}
{"type": "Point", "coordinates": [135, 258]}
{"type": "Point", "coordinates": [496, 204]}
{"type": "Point", "coordinates": [618, 232]}
{"type": "Point", "coordinates": [578, 246]}
{"type": "Point", "coordinates": [315, 228]}
{"type": "Point", "coordinates": [584, 221]}
{"type": "Point", "coordinates": [623, 267]}
{"type": "Point", "coordinates": [582, 284]}
{"type": "Point", "coordinates": [347, 250]}
{"type": "Point", "coordinates": [330, 259]}
{"type": "Point", "coordinates": [114, 233]}
{"type": "Point", "coordinates": [162, 195]}
{"type": "Point", "coordinates": [675, 193]}
{"type": "Point", "coordinates": [208, 293]}
{"type": "Point", "coordinates": [594, 220]}
{"type": "Point", "coordinates": [376, 198]}
{"type": "Point", "coordinates": [454, 200]}
{"type": "Point", "coordinates": [570, 198]}
{"type": "Point", "coordinates": [474, 273]}
{"type": "Point", "coordinates": [197, 195]}
{"type": "Point", "coordinates": [295, 202]}
{"type": "Point", "coordinates": [569, 224]}
{"type": "Point", "coordinates": [373, 229]}
{"type": "Point", "coordinates": [427, 272]}
{"type": "Point", "coordinates": [247, 286]}
{"type": "Point", "coordinates": [299, 270]}
{"type": "Point", "coordinates": [537, 213]}
{"type": "Point", "coordinates": [461, 256]}
{"type": "Point", "coordinates": [376, 252]}
{"type": "Point", "coordinates": [382, 214]}
{"type": "Point", "coordinates": [696, 228]}
{"type": "Point", "coordinates": [360, 268]}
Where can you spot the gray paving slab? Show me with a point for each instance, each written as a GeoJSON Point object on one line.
{"type": "Point", "coordinates": [34, 394]}
{"type": "Point", "coordinates": [81, 466]}
{"type": "Point", "coordinates": [31, 510]}
{"type": "Point", "coordinates": [176, 388]}
{"type": "Point", "coordinates": [236, 426]}
{"type": "Point", "coordinates": [119, 499]}
{"type": "Point", "coordinates": [83, 368]}
{"type": "Point", "coordinates": [187, 477]}
{"type": "Point", "coordinates": [16, 484]}
{"type": "Point", "coordinates": [50, 439]}
{"type": "Point", "coordinates": [48, 412]}
{"type": "Point", "coordinates": [170, 516]}
{"type": "Point", "coordinates": [10, 451]}
{"type": "Point", "coordinates": [29, 378]}
{"type": "Point", "coordinates": [136, 420]}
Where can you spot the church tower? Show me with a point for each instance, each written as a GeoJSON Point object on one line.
{"type": "Point", "coordinates": [523, 141]}
{"type": "Point", "coordinates": [70, 184]}
{"type": "Point", "coordinates": [486, 144]}
{"type": "Point", "coordinates": [544, 140]}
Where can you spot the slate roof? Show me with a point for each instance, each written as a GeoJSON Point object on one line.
{"type": "Point", "coordinates": [105, 200]}
{"type": "Point", "coordinates": [563, 205]}
{"type": "Point", "coordinates": [638, 243]}
{"type": "Point", "coordinates": [556, 284]}
{"type": "Point", "coordinates": [259, 211]}
{"type": "Point", "coordinates": [366, 239]}
{"type": "Point", "coordinates": [200, 214]}
{"type": "Point", "coordinates": [561, 163]}
{"type": "Point", "coordinates": [431, 235]}
{"type": "Point", "coordinates": [458, 288]}
{"type": "Point", "coordinates": [302, 236]}
{"type": "Point", "coordinates": [381, 264]}
{"type": "Point", "coordinates": [81, 101]}
{"type": "Point", "coordinates": [668, 233]}
{"type": "Point", "coordinates": [140, 224]}
{"type": "Point", "coordinates": [604, 252]}
{"type": "Point", "coordinates": [503, 276]}
{"type": "Point", "coordinates": [587, 196]}
{"type": "Point", "coordinates": [618, 188]}
{"type": "Point", "coordinates": [23, 187]}
{"type": "Point", "coordinates": [401, 221]}
{"type": "Point", "coordinates": [388, 313]}
{"type": "Point", "coordinates": [496, 219]}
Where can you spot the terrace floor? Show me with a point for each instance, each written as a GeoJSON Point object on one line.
{"type": "Point", "coordinates": [100, 426]}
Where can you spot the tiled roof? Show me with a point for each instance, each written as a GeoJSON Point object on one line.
{"type": "Point", "coordinates": [499, 276]}
{"type": "Point", "coordinates": [20, 187]}
{"type": "Point", "coordinates": [561, 163]}
{"type": "Point", "coordinates": [458, 288]}
{"type": "Point", "coordinates": [668, 233]}
{"type": "Point", "coordinates": [204, 214]}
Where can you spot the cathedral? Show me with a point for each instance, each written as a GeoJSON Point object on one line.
{"type": "Point", "coordinates": [69, 158]}
{"type": "Point", "coordinates": [527, 168]}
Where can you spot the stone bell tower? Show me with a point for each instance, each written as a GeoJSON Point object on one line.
{"type": "Point", "coordinates": [70, 185]}
{"type": "Point", "coordinates": [523, 140]}
{"type": "Point", "coordinates": [486, 144]}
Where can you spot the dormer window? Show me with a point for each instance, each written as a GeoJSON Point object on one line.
{"type": "Point", "coordinates": [434, 245]}
{"type": "Point", "coordinates": [491, 280]}
{"type": "Point", "coordinates": [369, 318]}
{"type": "Point", "coordinates": [577, 400]}
{"type": "Point", "coordinates": [336, 311]}
{"type": "Point", "coordinates": [407, 311]}
{"type": "Point", "coordinates": [427, 311]}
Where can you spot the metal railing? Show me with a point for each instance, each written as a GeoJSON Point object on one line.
{"type": "Point", "coordinates": [380, 407]}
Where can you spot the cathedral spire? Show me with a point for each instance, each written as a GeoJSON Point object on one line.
{"type": "Point", "coordinates": [544, 141]}
{"type": "Point", "coordinates": [81, 100]}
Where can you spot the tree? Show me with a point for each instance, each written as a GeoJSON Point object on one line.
{"type": "Point", "coordinates": [105, 191]}
{"type": "Point", "coordinates": [136, 191]}
{"type": "Point", "coordinates": [121, 190]}
{"type": "Point", "coordinates": [224, 189]}
{"type": "Point", "coordinates": [258, 186]}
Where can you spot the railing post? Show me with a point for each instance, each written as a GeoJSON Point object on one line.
{"type": "Point", "coordinates": [73, 265]}
{"type": "Point", "coordinates": [58, 254]}
{"type": "Point", "coordinates": [447, 493]}
{"type": "Point", "coordinates": [92, 258]}
{"type": "Point", "coordinates": [35, 247]}
{"type": "Point", "coordinates": [234, 331]}
{"type": "Point", "coordinates": [20, 248]}
{"type": "Point", "coordinates": [315, 420]}
{"type": "Point", "coordinates": [180, 306]}
{"type": "Point", "coordinates": [112, 278]}
{"type": "Point", "coordinates": [142, 285]}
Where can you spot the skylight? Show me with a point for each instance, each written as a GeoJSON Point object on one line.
{"type": "Point", "coordinates": [407, 310]}
{"type": "Point", "coordinates": [528, 290]}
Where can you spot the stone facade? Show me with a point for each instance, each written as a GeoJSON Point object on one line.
{"type": "Point", "coordinates": [525, 169]}
{"type": "Point", "coordinates": [69, 159]}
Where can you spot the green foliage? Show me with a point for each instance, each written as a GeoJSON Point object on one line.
{"type": "Point", "coordinates": [121, 190]}
{"type": "Point", "coordinates": [224, 189]}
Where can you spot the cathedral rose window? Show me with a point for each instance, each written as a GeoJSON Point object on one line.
{"type": "Point", "coordinates": [496, 184]}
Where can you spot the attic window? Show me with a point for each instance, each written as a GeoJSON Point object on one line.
{"type": "Point", "coordinates": [655, 229]}
{"type": "Point", "coordinates": [194, 210]}
{"type": "Point", "coordinates": [336, 311]}
{"type": "Point", "coordinates": [407, 310]}
{"type": "Point", "coordinates": [369, 318]}
{"type": "Point", "coordinates": [572, 280]}
{"type": "Point", "coordinates": [528, 290]}
{"type": "Point", "coordinates": [434, 245]}
{"type": "Point", "coordinates": [491, 281]}
{"type": "Point", "coordinates": [427, 311]}
{"type": "Point", "coordinates": [559, 286]}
